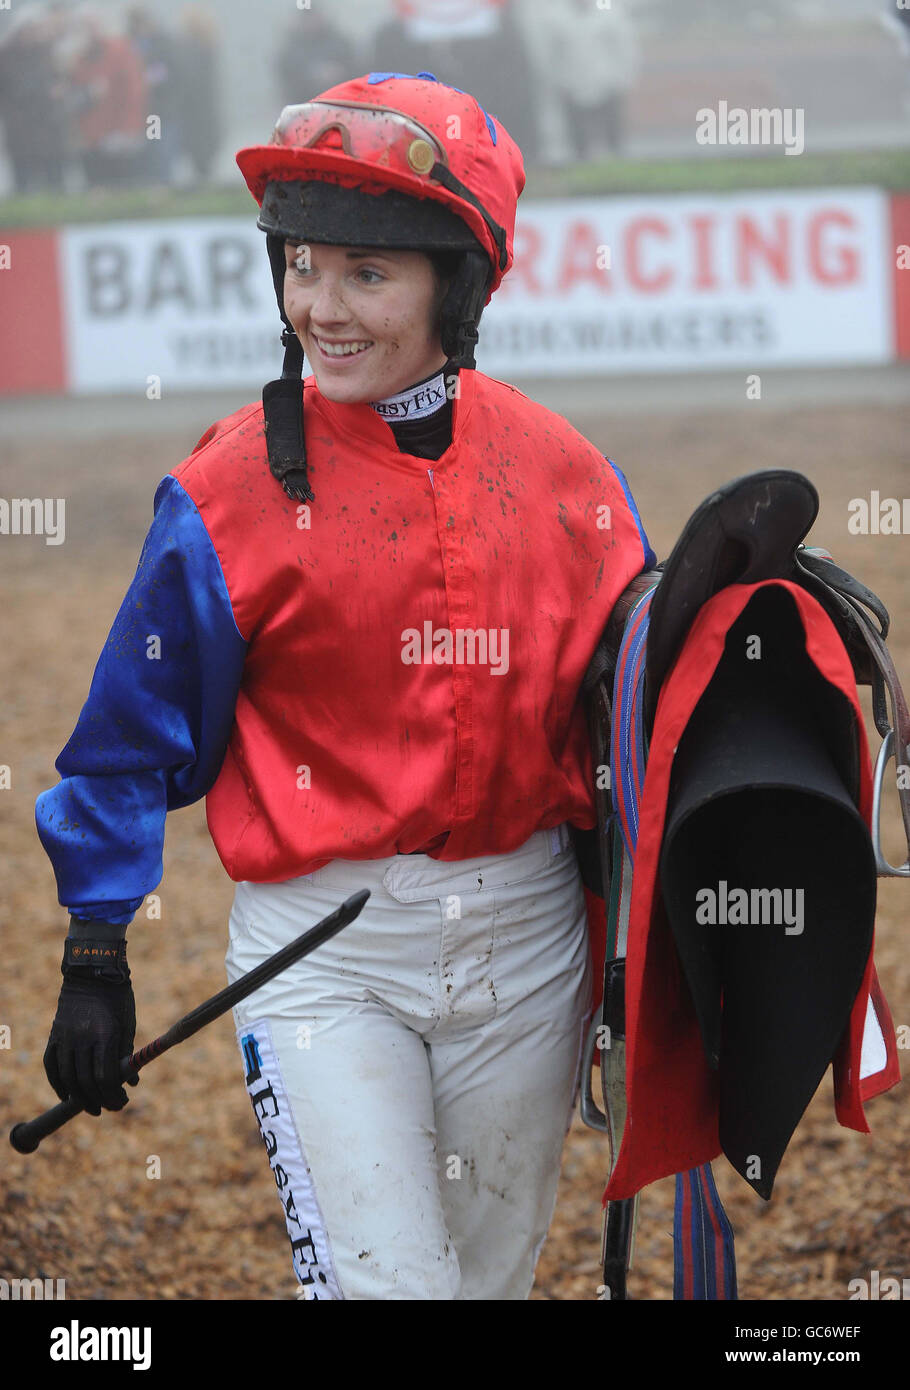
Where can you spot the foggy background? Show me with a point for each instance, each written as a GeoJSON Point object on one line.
{"type": "Point", "coordinates": [596, 99]}
{"type": "Point", "coordinates": [845, 62]}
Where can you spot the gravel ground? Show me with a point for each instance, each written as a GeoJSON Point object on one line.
{"type": "Point", "coordinates": [84, 1208]}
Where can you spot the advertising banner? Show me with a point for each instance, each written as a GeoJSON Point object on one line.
{"type": "Point", "coordinates": [599, 285]}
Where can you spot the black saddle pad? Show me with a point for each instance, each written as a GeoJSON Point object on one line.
{"type": "Point", "coordinates": [768, 878]}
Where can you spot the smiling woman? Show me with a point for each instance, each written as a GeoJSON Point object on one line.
{"type": "Point", "coordinates": [367, 319]}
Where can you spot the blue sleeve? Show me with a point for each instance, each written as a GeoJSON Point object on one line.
{"type": "Point", "coordinates": [650, 557]}
{"type": "Point", "coordinates": [153, 732]}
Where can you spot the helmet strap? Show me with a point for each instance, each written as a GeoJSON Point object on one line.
{"type": "Point", "coordinates": [282, 400]}
{"type": "Point", "coordinates": [441, 174]}
{"type": "Point", "coordinates": [462, 308]}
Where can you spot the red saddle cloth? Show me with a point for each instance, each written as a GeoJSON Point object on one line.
{"type": "Point", "coordinates": [672, 1092]}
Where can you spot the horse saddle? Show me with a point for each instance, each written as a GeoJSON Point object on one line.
{"type": "Point", "coordinates": [768, 861]}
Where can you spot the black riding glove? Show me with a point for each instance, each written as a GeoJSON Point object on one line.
{"type": "Point", "coordinates": [95, 1024]}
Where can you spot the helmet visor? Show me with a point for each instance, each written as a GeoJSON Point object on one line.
{"type": "Point", "coordinates": [375, 134]}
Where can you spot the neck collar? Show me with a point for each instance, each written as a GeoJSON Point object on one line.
{"type": "Point", "coordinates": [415, 402]}
{"type": "Point", "coordinates": [362, 423]}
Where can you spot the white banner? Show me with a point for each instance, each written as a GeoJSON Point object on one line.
{"type": "Point", "coordinates": [684, 283]}
{"type": "Point", "coordinates": [599, 285]}
{"type": "Point", "coordinates": [188, 302]}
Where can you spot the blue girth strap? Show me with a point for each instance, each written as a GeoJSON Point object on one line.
{"type": "Point", "coordinates": [704, 1264]}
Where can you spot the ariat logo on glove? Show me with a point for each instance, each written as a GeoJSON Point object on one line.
{"type": "Point", "coordinates": [105, 959]}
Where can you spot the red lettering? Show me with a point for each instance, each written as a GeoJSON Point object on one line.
{"type": "Point", "coordinates": [638, 228]}
{"type": "Point", "coordinates": [702, 232]}
{"type": "Point", "coordinates": [752, 245]}
{"type": "Point", "coordinates": [580, 254]}
{"type": "Point", "coordinates": [836, 264]}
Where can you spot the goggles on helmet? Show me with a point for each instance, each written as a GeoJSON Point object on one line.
{"type": "Point", "coordinates": [376, 134]}
{"type": "Point", "coordinates": [382, 138]}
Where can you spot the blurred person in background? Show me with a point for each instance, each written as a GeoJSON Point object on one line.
{"type": "Point", "coordinates": [311, 54]}
{"type": "Point", "coordinates": [32, 109]}
{"type": "Point", "coordinates": [109, 97]}
{"type": "Point", "coordinates": [585, 60]}
{"type": "Point", "coordinates": [474, 43]}
{"type": "Point", "coordinates": [200, 106]}
{"type": "Point", "coordinates": [161, 62]}
{"type": "Point", "coordinates": [897, 23]}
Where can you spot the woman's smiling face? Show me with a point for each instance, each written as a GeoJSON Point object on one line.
{"type": "Point", "coordinates": [341, 297]}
